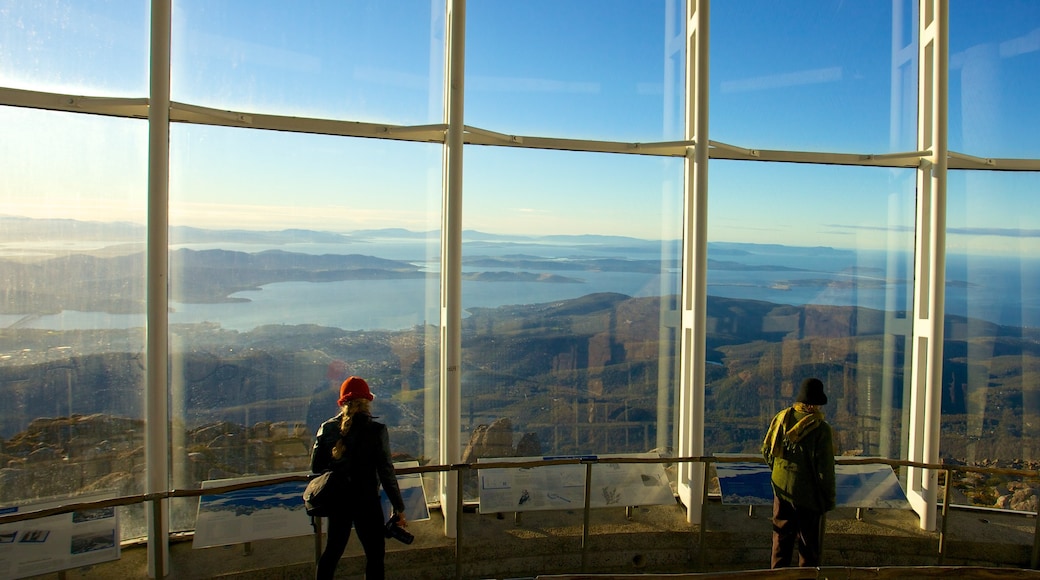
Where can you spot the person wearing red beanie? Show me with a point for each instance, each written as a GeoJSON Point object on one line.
{"type": "Point", "coordinates": [357, 445]}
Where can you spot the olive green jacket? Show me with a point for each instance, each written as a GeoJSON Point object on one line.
{"type": "Point", "coordinates": [802, 471]}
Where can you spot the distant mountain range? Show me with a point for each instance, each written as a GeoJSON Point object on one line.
{"type": "Point", "coordinates": [14, 229]}
{"type": "Point", "coordinates": [110, 277]}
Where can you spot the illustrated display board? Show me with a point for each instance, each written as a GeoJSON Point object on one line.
{"type": "Point", "coordinates": [869, 486]}
{"type": "Point", "coordinates": [276, 511]}
{"type": "Point", "coordinates": [412, 492]}
{"type": "Point", "coordinates": [555, 487]}
{"type": "Point", "coordinates": [745, 483]}
{"type": "Point", "coordinates": [859, 486]}
{"type": "Point", "coordinates": [246, 515]}
{"type": "Point", "coordinates": [61, 542]}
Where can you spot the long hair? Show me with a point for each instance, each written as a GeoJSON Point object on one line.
{"type": "Point", "coordinates": [353, 407]}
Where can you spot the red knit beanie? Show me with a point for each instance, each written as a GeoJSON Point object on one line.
{"type": "Point", "coordinates": [354, 388]}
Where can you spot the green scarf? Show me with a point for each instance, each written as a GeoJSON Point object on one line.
{"type": "Point", "coordinates": [812, 420]}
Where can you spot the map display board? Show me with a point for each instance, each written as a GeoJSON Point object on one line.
{"type": "Point", "coordinates": [257, 513]}
{"type": "Point", "coordinates": [555, 487]}
{"type": "Point", "coordinates": [860, 485]}
{"type": "Point", "coordinates": [61, 542]}
{"type": "Point", "coordinates": [276, 511]}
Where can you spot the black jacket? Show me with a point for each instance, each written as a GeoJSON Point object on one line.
{"type": "Point", "coordinates": [367, 460]}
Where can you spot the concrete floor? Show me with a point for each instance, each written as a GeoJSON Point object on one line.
{"type": "Point", "coordinates": [653, 539]}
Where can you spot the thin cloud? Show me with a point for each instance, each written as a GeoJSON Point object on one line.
{"type": "Point", "coordinates": [897, 229]}
{"type": "Point", "coordinates": [795, 79]}
{"type": "Point", "coordinates": [649, 88]}
{"type": "Point", "coordinates": [239, 52]}
{"type": "Point", "coordinates": [391, 78]}
{"type": "Point", "coordinates": [529, 85]}
{"type": "Point", "coordinates": [998, 232]}
{"type": "Point", "coordinates": [995, 232]}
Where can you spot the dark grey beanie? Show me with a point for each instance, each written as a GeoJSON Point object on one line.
{"type": "Point", "coordinates": [812, 393]}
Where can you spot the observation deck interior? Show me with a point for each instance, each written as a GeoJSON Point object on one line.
{"type": "Point", "coordinates": [539, 229]}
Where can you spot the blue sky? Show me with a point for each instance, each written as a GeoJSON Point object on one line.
{"type": "Point", "coordinates": [810, 76]}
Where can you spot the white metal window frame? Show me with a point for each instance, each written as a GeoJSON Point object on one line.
{"type": "Point", "coordinates": [932, 161]}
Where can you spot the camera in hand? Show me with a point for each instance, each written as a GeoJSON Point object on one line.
{"type": "Point", "coordinates": [397, 532]}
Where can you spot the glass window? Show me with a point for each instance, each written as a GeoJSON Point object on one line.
{"type": "Point", "coordinates": [543, 68]}
{"type": "Point", "coordinates": [72, 235]}
{"type": "Point", "coordinates": [809, 274]}
{"type": "Point", "coordinates": [370, 61]}
{"type": "Point", "coordinates": [297, 260]}
{"type": "Point", "coordinates": [81, 47]}
{"type": "Point", "coordinates": [994, 78]}
{"type": "Point", "coordinates": [991, 369]}
{"type": "Point", "coordinates": [570, 278]}
{"type": "Point", "coordinates": [825, 75]}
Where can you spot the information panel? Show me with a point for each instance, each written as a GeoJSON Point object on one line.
{"type": "Point", "coordinates": [555, 487]}
{"type": "Point", "coordinates": [276, 511]}
{"type": "Point", "coordinates": [859, 486]}
{"type": "Point", "coordinates": [61, 542]}
{"type": "Point", "coordinates": [412, 492]}
{"type": "Point", "coordinates": [257, 513]}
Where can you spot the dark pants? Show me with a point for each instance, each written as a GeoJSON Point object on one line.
{"type": "Point", "coordinates": [366, 515]}
{"type": "Point", "coordinates": [796, 525]}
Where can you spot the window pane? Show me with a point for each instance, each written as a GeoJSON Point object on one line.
{"type": "Point", "coordinates": [297, 260]}
{"type": "Point", "coordinates": [994, 78]}
{"type": "Point", "coordinates": [539, 68]}
{"type": "Point", "coordinates": [821, 75]}
{"type": "Point", "coordinates": [816, 285]}
{"type": "Point", "coordinates": [72, 188]}
{"type": "Point", "coordinates": [90, 47]}
{"type": "Point", "coordinates": [570, 279]}
{"type": "Point", "coordinates": [370, 60]}
{"type": "Point", "coordinates": [991, 371]}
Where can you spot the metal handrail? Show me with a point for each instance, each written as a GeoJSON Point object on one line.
{"type": "Point", "coordinates": [587, 461]}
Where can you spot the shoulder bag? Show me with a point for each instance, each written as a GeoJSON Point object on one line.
{"type": "Point", "coordinates": [324, 493]}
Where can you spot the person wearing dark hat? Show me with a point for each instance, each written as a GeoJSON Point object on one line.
{"type": "Point", "coordinates": [799, 448]}
{"type": "Point", "coordinates": [354, 443]}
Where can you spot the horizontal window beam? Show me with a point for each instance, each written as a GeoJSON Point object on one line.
{"type": "Point", "coordinates": [137, 108]}
{"type": "Point", "coordinates": [114, 106]}
{"type": "Point", "coordinates": [181, 112]}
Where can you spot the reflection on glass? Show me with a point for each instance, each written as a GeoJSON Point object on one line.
{"type": "Point", "coordinates": [816, 285]}
{"type": "Point", "coordinates": [311, 259]}
{"type": "Point", "coordinates": [539, 68]}
{"type": "Point", "coordinates": [72, 309]}
{"type": "Point", "coordinates": [82, 47]}
{"type": "Point", "coordinates": [994, 78]}
{"type": "Point", "coordinates": [370, 61]}
{"type": "Point", "coordinates": [824, 75]}
{"type": "Point", "coordinates": [991, 401]}
{"type": "Point", "coordinates": [570, 277]}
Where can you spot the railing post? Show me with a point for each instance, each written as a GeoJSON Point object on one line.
{"type": "Point", "coordinates": [585, 521]}
{"type": "Point", "coordinates": [157, 545]}
{"type": "Point", "coordinates": [1034, 561]}
{"type": "Point", "coordinates": [704, 512]}
{"type": "Point", "coordinates": [945, 514]}
{"type": "Point", "coordinates": [462, 470]}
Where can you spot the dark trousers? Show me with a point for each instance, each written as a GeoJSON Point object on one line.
{"type": "Point", "coordinates": [793, 525]}
{"type": "Point", "coordinates": [366, 516]}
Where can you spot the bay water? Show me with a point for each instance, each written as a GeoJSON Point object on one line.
{"type": "Point", "coordinates": [1005, 291]}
